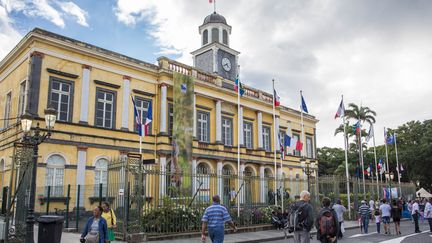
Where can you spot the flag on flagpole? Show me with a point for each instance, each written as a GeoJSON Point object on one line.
{"type": "Point", "coordinates": [238, 87]}
{"type": "Point", "coordinates": [299, 145]}
{"type": "Point", "coordinates": [149, 119]}
{"type": "Point", "coordinates": [281, 146]}
{"type": "Point", "coordinates": [303, 104]}
{"type": "Point", "coordinates": [356, 128]}
{"type": "Point", "coordinates": [370, 133]}
{"type": "Point", "coordinates": [138, 121]}
{"type": "Point", "coordinates": [287, 141]}
{"type": "Point", "coordinates": [210, 1]}
{"type": "Point", "coordinates": [340, 111]}
{"type": "Point", "coordinates": [276, 99]}
{"type": "Point", "coordinates": [390, 139]}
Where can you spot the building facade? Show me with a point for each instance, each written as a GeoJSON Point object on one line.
{"type": "Point", "coordinates": [91, 90]}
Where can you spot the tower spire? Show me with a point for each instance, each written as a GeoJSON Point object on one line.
{"type": "Point", "coordinates": [214, 5]}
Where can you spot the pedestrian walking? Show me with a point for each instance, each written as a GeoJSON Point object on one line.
{"type": "Point", "coordinates": [110, 217]}
{"type": "Point", "coordinates": [410, 203]}
{"type": "Point", "coordinates": [96, 230]}
{"type": "Point", "coordinates": [378, 221]}
{"type": "Point", "coordinates": [372, 205]}
{"type": "Point", "coordinates": [428, 213]}
{"type": "Point", "coordinates": [301, 219]}
{"type": "Point", "coordinates": [365, 213]}
{"type": "Point", "coordinates": [385, 211]}
{"type": "Point", "coordinates": [214, 219]}
{"type": "Point", "coordinates": [396, 214]}
{"type": "Point", "coordinates": [415, 214]}
{"type": "Point", "coordinates": [340, 210]}
{"type": "Point", "coordinates": [327, 223]}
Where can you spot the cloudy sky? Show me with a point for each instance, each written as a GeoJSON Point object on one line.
{"type": "Point", "coordinates": [375, 53]}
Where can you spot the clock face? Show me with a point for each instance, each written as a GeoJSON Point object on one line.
{"type": "Point", "coordinates": [226, 64]}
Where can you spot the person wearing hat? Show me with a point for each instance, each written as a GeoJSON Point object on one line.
{"type": "Point", "coordinates": [364, 212]}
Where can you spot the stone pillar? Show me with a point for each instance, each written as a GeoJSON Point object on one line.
{"type": "Point", "coordinates": [260, 135]}
{"type": "Point", "coordinates": [194, 117]}
{"type": "Point", "coordinates": [126, 98]}
{"type": "Point", "coordinates": [194, 173]}
{"type": "Point", "coordinates": [218, 121]}
{"type": "Point", "coordinates": [162, 177]}
{"type": "Point", "coordinates": [262, 186]}
{"type": "Point", "coordinates": [81, 172]}
{"type": "Point", "coordinates": [34, 82]}
{"type": "Point", "coordinates": [163, 109]}
{"type": "Point", "coordinates": [219, 180]}
{"type": "Point", "coordinates": [241, 126]}
{"type": "Point", "coordinates": [85, 89]}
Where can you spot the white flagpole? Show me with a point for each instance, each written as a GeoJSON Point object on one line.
{"type": "Point", "coordinates": [346, 162]}
{"type": "Point", "coordinates": [274, 150]}
{"type": "Point", "coordinates": [238, 140]}
{"type": "Point", "coordinates": [302, 125]}
{"type": "Point", "coordinates": [361, 160]}
{"type": "Point", "coordinates": [397, 165]}
{"type": "Point", "coordinates": [387, 162]}
{"type": "Point", "coordinates": [376, 164]}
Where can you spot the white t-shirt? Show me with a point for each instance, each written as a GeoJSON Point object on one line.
{"type": "Point", "coordinates": [371, 205]}
{"type": "Point", "coordinates": [385, 210]}
{"type": "Point", "coordinates": [428, 210]}
{"type": "Point", "coordinates": [415, 208]}
{"type": "Point", "coordinates": [377, 219]}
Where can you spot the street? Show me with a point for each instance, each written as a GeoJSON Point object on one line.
{"type": "Point", "coordinates": [407, 230]}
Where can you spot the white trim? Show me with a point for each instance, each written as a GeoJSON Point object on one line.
{"type": "Point", "coordinates": [57, 153]}
{"type": "Point", "coordinates": [100, 157]}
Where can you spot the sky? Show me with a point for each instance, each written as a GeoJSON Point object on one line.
{"type": "Point", "coordinates": [374, 53]}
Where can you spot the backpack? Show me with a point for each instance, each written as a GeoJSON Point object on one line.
{"type": "Point", "coordinates": [327, 223]}
{"type": "Point", "coordinates": [296, 217]}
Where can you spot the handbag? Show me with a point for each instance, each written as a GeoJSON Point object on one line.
{"type": "Point", "coordinates": [92, 238]}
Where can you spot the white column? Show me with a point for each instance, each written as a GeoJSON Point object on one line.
{"type": "Point", "coordinates": [194, 117]}
{"type": "Point", "coordinates": [219, 180]}
{"type": "Point", "coordinates": [260, 138]}
{"type": "Point", "coordinates": [162, 177]}
{"type": "Point", "coordinates": [194, 171]}
{"type": "Point", "coordinates": [220, 34]}
{"type": "Point", "coordinates": [126, 98]}
{"type": "Point", "coordinates": [163, 114]}
{"type": "Point", "coordinates": [242, 191]}
{"type": "Point", "coordinates": [85, 88]}
{"type": "Point", "coordinates": [276, 142]}
{"type": "Point", "coordinates": [218, 121]}
{"type": "Point", "coordinates": [241, 126]}
{"type": "Point", "coordinates": [81, 172]}
{"type": "Point", "coordinates": [210, 35]}
{"type": "Point", "coordinates": [262, 186]}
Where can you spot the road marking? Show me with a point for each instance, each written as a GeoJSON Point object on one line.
{"type": "Point", "coordinates": [359, 235]}
{"type": "Point", "coordinates": [400, 239]}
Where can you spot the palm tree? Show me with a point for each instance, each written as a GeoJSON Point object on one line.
{"type": "Point", "coordinates": [364, 114]}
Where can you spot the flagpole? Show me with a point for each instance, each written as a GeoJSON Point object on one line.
{"type": "Point", "coordinates": [346, 163]}
{"type": "Point", "coordinates": [274, 150]}
{"type": "Point", "coordinates": [238, 140]}
{"type": "Point", "coordinates": [387, 163]}
{"type": "Point", "coordinates": [302, 125]}
{"type": "Point", "coordinates": [361, 160]}
{"type": "Point", "coordinates": [397, 165]}
{"type": "Point", "coordinates": [376, 164]}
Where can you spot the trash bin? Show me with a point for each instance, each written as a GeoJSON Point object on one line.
{"type": "Point", "coordinates": [50, 228]}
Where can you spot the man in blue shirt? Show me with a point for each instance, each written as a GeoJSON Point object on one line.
{"type": "Point", "coordinates": [215, 217]}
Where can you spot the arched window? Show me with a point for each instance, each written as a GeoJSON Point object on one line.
{"type": "Point", "coordinates": [215, 35]}
{"type": "Point", "coordinates": [205, 37]}
{"type": "Point", "coordinates": [101, 172]}
{"type": "Point", "coordinates": [54, 175]}
{"type": "Point", "coordinates": [225, 37]}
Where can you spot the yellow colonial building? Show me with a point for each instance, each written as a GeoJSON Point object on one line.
{"type": "Point", "coordinates": [91, 89]}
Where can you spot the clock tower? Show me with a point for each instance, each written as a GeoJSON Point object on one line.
{"type": "Point", "coordinates": [215, 55]}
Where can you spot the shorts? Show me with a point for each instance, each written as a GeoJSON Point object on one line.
{"type": "Point", "coordinates": [396, 219]}
{"type": "Point", "coordinates": [386, 220]}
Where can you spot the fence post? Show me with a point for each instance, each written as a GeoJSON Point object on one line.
{"type": "Point", "coordinates": [67, 206]}
{"type": "Point", "coordinates": [77, 206]}
{"type": "Point", "coordinates": [100, 194]}
{"type": "Point", "coordinates": [48, 199]}
{"type": "Point", "coordinates": [127, 206]}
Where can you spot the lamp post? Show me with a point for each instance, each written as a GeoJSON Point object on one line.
{"type": "Point", "coordinates": [390, 176]}
{"type": "Point", "coordinates": [308, 168]}
{"type": "Point", "coordinates": [34, 140]}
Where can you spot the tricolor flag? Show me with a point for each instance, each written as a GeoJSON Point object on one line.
{"type": "Point", "coordinates": [340, 111]}
{"type": "Point", "coordinates": [299, 145]}
{"type": "Point", "coordinates": [276, 99]}
{"type": "Point", "coordinates": [287, 141]}
{"type": "Point", "coordinates": [149, 119]}
{"type": "Point", "coordinates": [138, 121]}
{"type": "Point", "coordinates": [356, 128]}
{"type": "Point", "coordinates": [370, 133]}
{"type": "Point", "coordinates": [303, 103]}
{"type": "Point", "coordinates": [238, 87]}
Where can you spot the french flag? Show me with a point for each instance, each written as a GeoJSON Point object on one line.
{"type": "Point", "coordinates": [149, 119]}
{"type": "Point", "coordinates": [341, 110]}
{"type": "Point", "coordinates": [139, 125]}
{"type": "Point", "coordinates": [276, 99]}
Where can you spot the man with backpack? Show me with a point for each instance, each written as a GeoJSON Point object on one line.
{"type": "Point", "coordinates": [327, 223]}
{"type": "Point", "coordinates": [300, 218]}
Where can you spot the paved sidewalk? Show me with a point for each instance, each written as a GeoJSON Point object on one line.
{"type": "Point", "coordinates": [265, 235]}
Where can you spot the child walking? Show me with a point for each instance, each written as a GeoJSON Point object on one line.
{"type": "Point", "coordinates": [378, 220]}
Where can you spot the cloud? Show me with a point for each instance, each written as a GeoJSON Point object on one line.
{"type": "Point", "coordinates": [46, 9]}
{"type": "Point", "coordinates": [9, 37]}
{"type": "Point", "coordinates": [73, 10]}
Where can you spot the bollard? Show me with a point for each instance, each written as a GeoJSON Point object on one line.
{"type": "Point", "coordinates": [77, 207]}
{"type": "Point", "coordinates": [48, 200]}
{"type": "Point", "coordinates": [67, 206]}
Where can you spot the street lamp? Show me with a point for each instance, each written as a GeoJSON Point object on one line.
{"type": "Point", "coordinates": [308, 168]}
{"type": "Point", "coordinates": [33, 140]}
